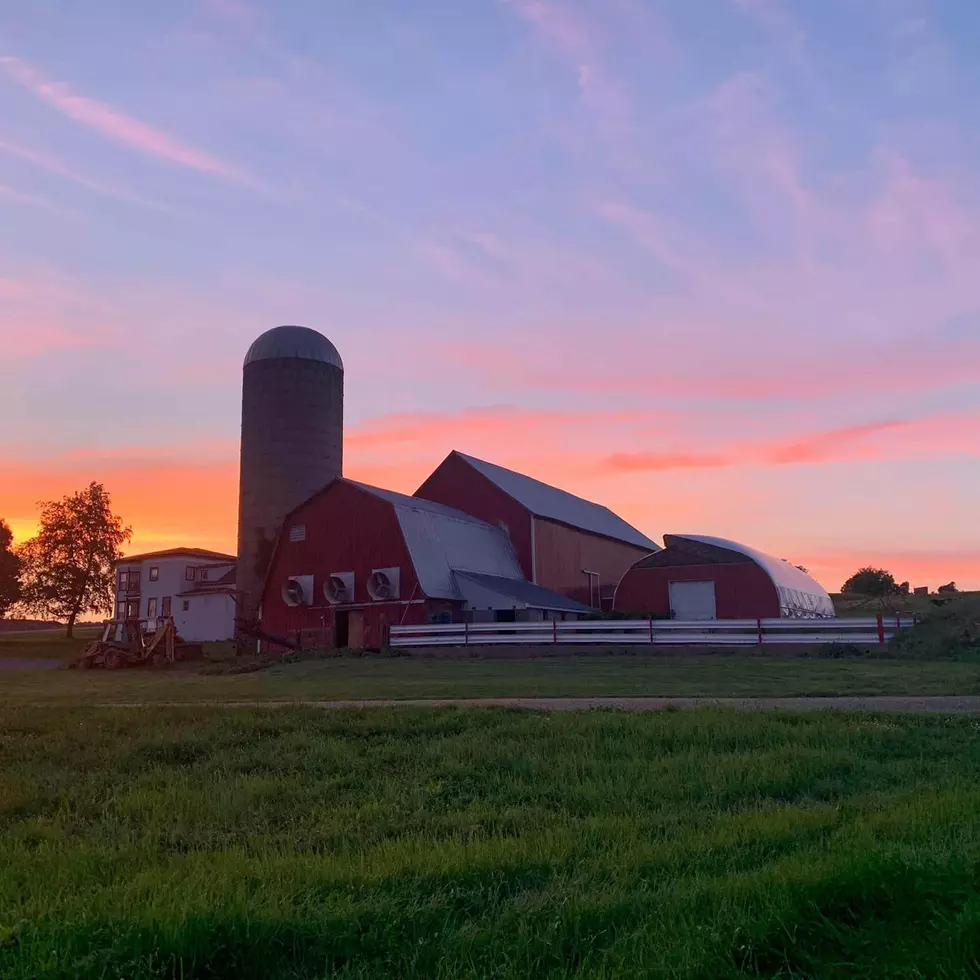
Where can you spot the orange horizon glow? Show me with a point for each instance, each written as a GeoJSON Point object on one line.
{"type": "Point", "coordinates": [193, 501]}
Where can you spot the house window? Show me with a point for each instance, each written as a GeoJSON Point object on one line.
{"type": "Point", "coordinates": [154, 573]}
{"type": "Point", "coordinates": [190, 573]}
{"type": "Point", "coordinates": [151, 609]}
{"type": "Point", "coordinates": [165, 606]}
{"type": "Point", "coordinates": [132, 610]}
{"type": "Point", "coordinates": [202, 575]}
{"type": "Point", "coordinates": [134, 580]}
{"type": "Point", "coordinates": [120, 610]}
{"type": "Point", "coordinates": [186, 605]}
{"type": "Point", "coordinates": [123, 579]}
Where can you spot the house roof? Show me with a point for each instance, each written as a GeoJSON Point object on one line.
{"type": "Point", "coordinates": [547, 501]}
{"type": "Point", "coordinates": [223, 583]}
{"type": "Point", "coordinates": [199, 553]}
{"type": "Point", "coordinates": [523, 592]}
{"type": "Point", "coordinates": [441, 540]}
{"type": "Point", "coordinates": [799, 593]}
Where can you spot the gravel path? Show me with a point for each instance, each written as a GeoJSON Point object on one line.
{"type": "Point", "coordinates": [941, 704]}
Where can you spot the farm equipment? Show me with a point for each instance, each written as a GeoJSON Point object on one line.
{"type": "Point", "coordinates": [131, 642]}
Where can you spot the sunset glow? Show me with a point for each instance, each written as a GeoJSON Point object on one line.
{"type": "Point", "coordinates": [713, 269]}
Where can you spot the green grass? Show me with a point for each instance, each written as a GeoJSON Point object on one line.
{"type": "Point", "coordinates": [45, 644]}
{"type": "Point", "coordinates": [736, 674]}
{"type": "Point", "coordinates": [297, 843]}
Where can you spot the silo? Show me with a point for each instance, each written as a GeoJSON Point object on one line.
{"type": "Point", "coordinates": [292, 441]}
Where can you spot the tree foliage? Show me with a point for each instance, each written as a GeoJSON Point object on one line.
{"type": "Point", "coordinates": [948, 587]}
{"type": "Point", "coordinates": [872, 582]}
{"type": "Point", "coordinates": [9, 570]}
{"type": "Point", "coordinates": [68, 568]}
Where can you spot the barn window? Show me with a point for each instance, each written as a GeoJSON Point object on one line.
{"type": "Point", "coordinates": [297, 532]}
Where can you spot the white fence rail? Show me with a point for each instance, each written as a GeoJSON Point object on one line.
{"type": "Point", "coordinates": [655, 632]}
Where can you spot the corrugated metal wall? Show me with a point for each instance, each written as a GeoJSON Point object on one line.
{"type": "Point", "coordinates": [562, 553]}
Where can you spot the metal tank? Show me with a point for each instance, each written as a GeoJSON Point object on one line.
{"type": "Point", "coordinates": [292, 441]}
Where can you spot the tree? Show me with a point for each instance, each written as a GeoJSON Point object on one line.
{"type": "Point", "coordinates": [872, 582]}
{"type": "Point", "coordinates": [9, 570]}
{"type": "Point", "coordinates": [802, 568]}
{"type": "Point", "coordinates": [68, 568]}
{"type": "Point", "coordinates": [949, 587]}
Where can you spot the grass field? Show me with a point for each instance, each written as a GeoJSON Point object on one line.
{"type": "Point", "coordinates": [732, 674]}
{"type": "Point", "coordinates": [287, 844]}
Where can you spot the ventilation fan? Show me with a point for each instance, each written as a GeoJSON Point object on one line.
{"type": "Point", "coordinates": [298, 590]}
{"type": "Point", "coordinates": [383, 584]}
{"type": "Point", "coordinates": [339, 587]}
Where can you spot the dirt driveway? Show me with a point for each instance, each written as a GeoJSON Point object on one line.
{"type": "Point", "coordinates": [940, 704]}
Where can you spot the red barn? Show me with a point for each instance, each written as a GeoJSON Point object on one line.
{"type": "Point", "coordinates": [697, 577]}
{"type": "Point", "coordinates": [563, 543]}
{"type": "Point", "coordinates": [354, 559]}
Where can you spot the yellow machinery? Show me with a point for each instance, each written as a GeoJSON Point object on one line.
{"type": "Point", "coordinates": [131, 642]}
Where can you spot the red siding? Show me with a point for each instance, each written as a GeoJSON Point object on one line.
{"type": "Point", "coordinates": [456, 484]}
{"type": "Point", "coordinates": [347, 530]}
{"type": "Point", "coordinates": [742, 591]}
{"type": "Point", "coordinates": [561, 554]}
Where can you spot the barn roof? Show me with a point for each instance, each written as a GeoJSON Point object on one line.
{"type": "Point", "coordinates": [442, 540]}
{"type": "Point", "coordinates": [202, 553]}
{"type": "Point", "coordinates": [544, 500]}
{"type": "Point", "coordinates": [799, 593]}
{"type": "Point", "coordinates": [521, 591]}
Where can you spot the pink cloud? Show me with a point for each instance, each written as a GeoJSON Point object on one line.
{"type": "Point", "coordinates": [573, 38]}
{"type": "Point", "coordinates": [51, 164]}
{"type": "Point", "coordinates": [117, 126]}
{"type": "Point", "coordinates": [14, 196]}
{"type": "Point", "coordinates": [43, 311]}
{"type": "Point", "coordinates": [915, 438]}
{"type": "Point", "coordinates": [914, 363]}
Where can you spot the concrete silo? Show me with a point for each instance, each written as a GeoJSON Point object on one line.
{"type": "Point", "coordinates": [292, 441]}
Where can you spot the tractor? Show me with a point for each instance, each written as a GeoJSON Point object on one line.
{"type": "Point", "coordinates": [131, 642]}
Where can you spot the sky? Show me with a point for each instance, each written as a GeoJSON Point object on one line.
{"type": "Point", "coordinates": [715, 263]}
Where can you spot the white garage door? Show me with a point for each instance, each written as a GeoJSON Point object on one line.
{"type": "Point", "coordinates": [692, 600]}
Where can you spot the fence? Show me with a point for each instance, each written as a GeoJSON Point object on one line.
{"type": "Point", "coordinates": [668, 632]}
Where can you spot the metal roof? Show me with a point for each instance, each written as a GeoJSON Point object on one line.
{"type": "Point", "coordinates": [200, 553]}
{"type": "Point", "coordinates": [544, 500]}
{"type": "Point", "coordinates": [441, 540]}
{"type": "Point", "coordinates": [292, 341]}
{"type": "Point", "coordinates": [526, 593]}
{"type": "Point", "coordinates": [799, 593]}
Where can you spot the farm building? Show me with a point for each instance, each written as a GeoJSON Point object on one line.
{"type": "Point", "coordinates": [193, 586]}
{"type": "Point", "coordinates": [354, 559]}
{"type": "Point", "coordinates": [696, 577]}
{"type": "Point", "coordinates": [563, 543]}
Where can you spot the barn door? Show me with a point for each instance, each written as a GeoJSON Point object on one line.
{"type": "Point", "coordinates": [692, 600]}
{"type": "Point", "coordinates": [355, 638]}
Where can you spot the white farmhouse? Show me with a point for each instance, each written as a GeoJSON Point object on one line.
{"type": "Point", "coordinates": [194, 586]}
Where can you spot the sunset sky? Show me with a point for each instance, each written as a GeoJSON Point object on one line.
{"type": "Point", "coordinates": [714, 263]}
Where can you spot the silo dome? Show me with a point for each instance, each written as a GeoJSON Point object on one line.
{"type": "Point", "coordinates": [292, 441]}
{"type": "Point", "coordinates": [292, 341]}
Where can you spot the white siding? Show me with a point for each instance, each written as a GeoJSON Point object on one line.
{"type": "Point", "coordinates": [208, 617]}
